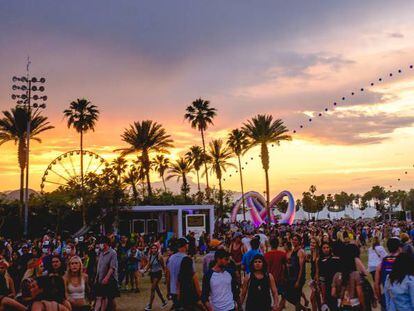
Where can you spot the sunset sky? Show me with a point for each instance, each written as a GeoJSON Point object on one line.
{"type": "Point", "coordinates": [139, 60]}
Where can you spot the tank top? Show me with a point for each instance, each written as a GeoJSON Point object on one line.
{"type": "Point", "coordinates": [77, 292]}
{"type": "Point", "coordinates": [155, 264]}
{"type": "Point", "coordinates": [294, 268]}
{"type": "Point", "coordinates": [258, 295]}
{"type": "Point", "coordinates": [236, 254]}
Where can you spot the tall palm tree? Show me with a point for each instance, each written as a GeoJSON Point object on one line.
{"type": "Point", "coordinates": [180, 169]}
{"type": "Point", "coordinates": [201, 115]}
{"type": "Point", "coordinates": [132, 178]}
{"type": "Point", "coordinates": [82, 116]}
{"type": "Point", "coordinates": [161, 164]}
{"type": "Point", "coordinates": [196, 156]}
{"type": "Point", "coordinates": [146, 137]}
{"type": "Point", "coordinates": [262, 130]}
{"type": "Point", "coordinates": [220, 155]}
{"type": "Point", "coordinates": [239, 143]}
{"type": "Point", "coordinates": [13, 127]}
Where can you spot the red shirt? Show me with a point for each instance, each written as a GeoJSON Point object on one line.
{"type": "Point", "coordinates": [276, 263]}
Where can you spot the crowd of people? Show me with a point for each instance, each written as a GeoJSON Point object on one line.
{"type": "Point", "coordinates": [345, 265]}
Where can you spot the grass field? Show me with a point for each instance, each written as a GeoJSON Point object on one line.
{"type": "Point", "coordinates": [138, 301]}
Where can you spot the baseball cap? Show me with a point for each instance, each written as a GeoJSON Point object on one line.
{"type": "Point", "coordinates": [214, 243]}
{"type": "Point", "coordinates": [181, 242]}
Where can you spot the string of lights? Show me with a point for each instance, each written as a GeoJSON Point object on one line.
{"type": "Point", "coordinates": [325, 111]}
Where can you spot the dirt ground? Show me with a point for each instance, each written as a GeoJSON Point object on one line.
{"type": "Point", "coordinates": [138, 301]}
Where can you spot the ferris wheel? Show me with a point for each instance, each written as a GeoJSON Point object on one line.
{"type": "Point", "coordinates": [66, 167]}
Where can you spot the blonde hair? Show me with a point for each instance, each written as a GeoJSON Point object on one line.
{"type": "Point", "coordinates": [69, 275]}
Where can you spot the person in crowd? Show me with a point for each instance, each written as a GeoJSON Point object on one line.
{"type": "Point", "coordinates": [236, 251]}
{"type": "Point", "coordinates": [376, 254]}
{"type": "Point", "coordinates": [189, 292]}
{"type": "Point", "coordinates": [57, 267]}
{"type": "Point", "coordinates": [156, 267]}
{"type": "Point", "coordinates": [214, 245]}
{"type": "Point", "coordinates": [173, 270]}
{"type": "Point", "coordinates": [48, 294]}
{"type": "Point", "coordinates": [385, 268]}
{"type": "Point", "coordinates": [133, 262]}
{"type": "Point", "coordinates": [35, 268]}
{"type": "Point", "coordinates": [15, 270]}
{"type": "Point", "coordinates": [122, 252]}
{"type": "Point", "coordinates": [260, 287]}
{"type": "Point", "coordinates": [313, 259]}
{"type": "Point", "coordinates": [347, 286]}
{"type": "Point", "coordinates": [220, 287]}
{"type": "Point", "coordinates": [399, 286]}
{"type": "Point", "coordinates": [406, 244]}
{"type": "Point", "coordinates": [296, 264]}
{"type": "Point", "coordinates": [106, 281]}
{"type": "Point", "coordinates": [6, 282]}
{"type": "Point", "coordinates": [329, 264]}
{"type": "Point", "coordinates": [192, 247]}
{"type": "Point", "coordinates": [276, 265]}
{"type": "Point", "coordinates": [76, 284]}
{"type": "Point", "coordinates": [248, 257]}
{"type": "Point", "coordinates": [25, 295]}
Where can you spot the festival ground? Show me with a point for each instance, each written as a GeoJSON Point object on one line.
{"type": "Point", "coordinates": [138, 301]}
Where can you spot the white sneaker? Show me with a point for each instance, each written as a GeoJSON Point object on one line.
{"type": "Point", "coordinates": [148, 308]}
{"type": "Point", "coordinates": [164, 305]}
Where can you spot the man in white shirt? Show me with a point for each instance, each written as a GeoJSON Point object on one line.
{"type": "Point", "coordinates": [220, 292]}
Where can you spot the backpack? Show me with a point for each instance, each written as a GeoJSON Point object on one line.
{"type": "Point", "coordinates": [386, 267]}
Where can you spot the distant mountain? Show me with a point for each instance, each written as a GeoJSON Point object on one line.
{"type": "Point", "coordinates": [12, 195]}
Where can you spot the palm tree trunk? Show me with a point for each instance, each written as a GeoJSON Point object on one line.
{"type": "Point", "coordinates": [163, 182]}
{"type": "Point", "coordinates": [185, 186]}
{"type": "Point", "coordinates": [84, 217]}
{"type": "Point", "coordinates": [265, 163]}
{"type": "Point", "coordinates": [205, 163]}
{"type": "Point", "coordinates": [198, 181]}
{"type": "Point", "coordinates": [22, 164]}
{"type": "Point", "coordinates": [134, 193]}
{"type": "Point", "coordinates": [147, 172]}
{"type": "Point", "coordinates": [221, 200]}
{"type": "Point", "coordinates": [242, 188]}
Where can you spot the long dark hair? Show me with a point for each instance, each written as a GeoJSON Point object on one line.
{"type": "Point", "coordinates": [347, 267]}
{"type": "Point", "coordinates": [403, 266]}
{"type": "Point", "coordinates": [186, 271]}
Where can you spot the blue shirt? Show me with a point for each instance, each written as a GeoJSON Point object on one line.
{"type": "Point", "coordinates": [400, 296]}
{"type": "Point", "coordinates": [174, 265]}
{"type": "Point", "coordinates": [248, 257]}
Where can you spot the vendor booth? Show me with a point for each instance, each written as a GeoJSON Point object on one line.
{"type": "Point", "coordinates": [176, 219]}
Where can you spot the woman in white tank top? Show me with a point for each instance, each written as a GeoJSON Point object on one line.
{"type": "Point", "coordinates": [76, 284]}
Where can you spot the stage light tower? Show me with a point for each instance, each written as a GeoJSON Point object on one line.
{"type": "Point", "coordinates": [27, 89]}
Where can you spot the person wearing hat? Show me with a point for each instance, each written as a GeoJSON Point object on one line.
{"type": "Point", "coordinates": [173, 270]}
{"type": "Point", "coordinates": [214, 245]}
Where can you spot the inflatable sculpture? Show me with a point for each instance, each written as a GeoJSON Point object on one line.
{"type": "Point", "coordinates": [255, 205]}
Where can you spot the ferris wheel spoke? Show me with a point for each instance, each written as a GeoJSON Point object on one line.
{"type": "Point", "coordinates": [100, 164]}
{"type": "Point", "coordinates": [54, 182]}
{"type": "Point", "coordinates": [61, 176]}
{"type": "Point", "coordinates": [73, 166]}
{"type": "Point", "coordinates": [89, 164]}
{"type": "Point", "coordinates": [65, 169]}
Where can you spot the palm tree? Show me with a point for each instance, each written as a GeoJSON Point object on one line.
{"type": "Point", "coordinates": [262, 130]}
{"type": "Point", "coordinates": [196, 156]}
{"type": "Point", "coordinates": [13, 127]}
{"type": "Point", "coordinates": [238, 142]}
{"type": "Point", "coordinates": [146, 137]}
{"type": "Point", "coordinates": [180, 169]}
{"type": "Point", "coordinates": [161, 165]}
{"type": "Point", "coordinates": [200, 115]}
{"type": "Point", "coordinates": [82, 116]}
{"type": "Point", "coordinates": [132, 178]}
{"type": "Point", "coordinates": [220, 155]}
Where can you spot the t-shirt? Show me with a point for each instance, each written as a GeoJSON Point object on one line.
{"type": "Point", "coordinates": [246, 242]}
{"type": "Point", "coordinates": [174, 265]}
{"type": "Point", "coordinates": [328, 266]}
{"type": "Point", "coordinates": [276, 261]}
{"type": "Point", "coordinates": [221, 295]}
{"type": "Point", "coordinates": [248, 257]}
